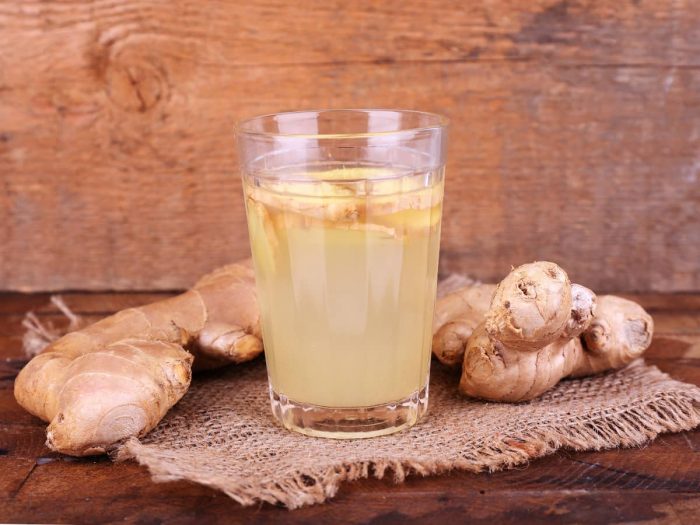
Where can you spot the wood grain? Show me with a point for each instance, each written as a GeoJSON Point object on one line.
{"type": "Point", "coordinates": [575, 137]}
{"type": "Point", "coordinates": [659, 483]}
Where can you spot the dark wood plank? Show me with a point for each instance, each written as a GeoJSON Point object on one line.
{"type": "Point", "coordinates": [94, 303]}
{"type": "Point", "coordinates": [676, 323]}
{"type": "Point", "coordinates": [665, 302]}
{"type": "Point", "coordinates": [98, 491]}
{"type": "Point", "coordinates": [574, 137]}
{"type": "Point", "coordinates": [106, 302]}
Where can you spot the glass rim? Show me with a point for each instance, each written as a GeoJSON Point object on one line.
{"type": "Point", "coordinates": [441, 122]}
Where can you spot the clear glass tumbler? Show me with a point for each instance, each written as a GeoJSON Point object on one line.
{"type": "Point", "coordinates": [344, 210]}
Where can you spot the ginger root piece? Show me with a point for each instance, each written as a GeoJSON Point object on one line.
{"type": "Point", "coordinates": [541, 328]}
{"type": "Point", "coordinates": [456, 316]}
{"type": "Point", "coordinates": [119, 376]}
{"type": "Point", "coordinates": [620, 332]}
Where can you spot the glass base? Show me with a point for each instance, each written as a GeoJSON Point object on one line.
{"type": "Point", "coordinates": [349, 423]}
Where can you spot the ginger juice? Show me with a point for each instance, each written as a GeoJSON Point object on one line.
{"type": "Point", "coordinates": [344, 210]}
{"type": "Point", "coordinates": [346, 269]}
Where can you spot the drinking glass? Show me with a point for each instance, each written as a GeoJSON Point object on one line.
{"type": "Point", "coordinates": [344, 211]}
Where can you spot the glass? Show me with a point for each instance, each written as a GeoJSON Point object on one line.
{"type": "Point", "coordinates": [344, 210]}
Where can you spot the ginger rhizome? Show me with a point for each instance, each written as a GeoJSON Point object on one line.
{"type": "Point", "coordinates": [118, 377]}
{"type": "Point", "coordinates": [538, 329]}
{"type": "Point", "coordinates": [456, 316]}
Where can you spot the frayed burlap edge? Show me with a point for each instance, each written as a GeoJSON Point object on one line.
{"type": "Point", "coordinates": [632, 425]}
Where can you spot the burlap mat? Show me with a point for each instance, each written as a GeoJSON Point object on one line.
{"type": "Point", "coordinates": [222, 433]}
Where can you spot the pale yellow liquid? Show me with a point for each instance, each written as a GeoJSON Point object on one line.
{"type": "Point", "coordinates": [346, 276]}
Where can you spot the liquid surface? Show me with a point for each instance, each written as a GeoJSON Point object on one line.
{"type": "Point", "coordinates": [346, 273]}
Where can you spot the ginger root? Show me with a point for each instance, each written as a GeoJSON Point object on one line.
{"type": "Point", "coordinates": [538, 329]}
{"type": "Point", "coordinates": [456, 316]}
{"type": "Point", "coordinates": [118, 377]}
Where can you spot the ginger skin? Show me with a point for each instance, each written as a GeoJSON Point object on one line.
{"type": "Point", "coordinates": [456, 316]}
{"type": "Point", "coordinates": [118, 377]}
{"type": "Point", "coordinates": [538, 329]}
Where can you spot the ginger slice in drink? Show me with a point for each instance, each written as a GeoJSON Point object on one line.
{"type": "Point", "coordinates": [372, 227]}
{"type": "Point", "coordinates": [264, 241]}
{"type": "Point", "coordinates": [411, 212]}
{"type": "Point", "coordinates": [322, 200]}
{"type": "Point", "coordinates": [387, 206]}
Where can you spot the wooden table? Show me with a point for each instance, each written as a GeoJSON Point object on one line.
{"type": "Point", "coordinates": [659, 482]}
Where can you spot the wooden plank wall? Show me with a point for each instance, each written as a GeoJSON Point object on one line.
{"type": "Point", "coordinates": [575, 137]}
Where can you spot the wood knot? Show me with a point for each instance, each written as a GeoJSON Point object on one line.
{"type": "Point", "coordinates": [136, 87]}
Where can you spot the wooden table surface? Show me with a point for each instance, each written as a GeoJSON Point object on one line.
{"type": "Point", "coordinates": [656, 483]}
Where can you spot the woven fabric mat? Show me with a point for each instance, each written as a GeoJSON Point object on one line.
{"type": "Point", "coordinates": [222, 433]}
